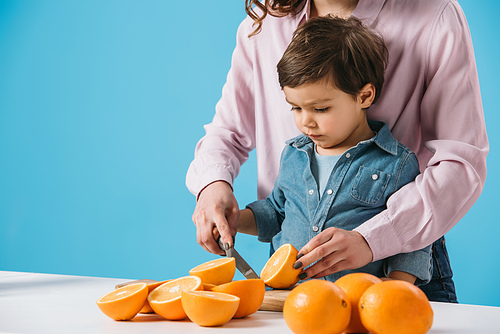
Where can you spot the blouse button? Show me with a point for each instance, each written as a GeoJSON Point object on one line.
{"type": "Point", "coordinates": [315, 228]}
{"type": "Point", "coordinates": [348, 155]}
{"type": "Point", "coordinates": [374, 177]}
{"type": "Point", "coordinates": [329, 191]}
{"type": "Point", "coordinates": [311, 191]}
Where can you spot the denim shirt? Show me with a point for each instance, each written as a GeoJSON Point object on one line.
{"type": "Point", "coordinates": [360, 184]}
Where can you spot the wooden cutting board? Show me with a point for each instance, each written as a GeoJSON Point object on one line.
{"type": "Point", "coordinates": [274, 300]}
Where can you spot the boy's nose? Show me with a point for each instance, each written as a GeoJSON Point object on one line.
{"type": "Point", "coordinates": [307, 120]}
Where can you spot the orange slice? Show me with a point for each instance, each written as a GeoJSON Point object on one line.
{"type": "Point", "coordinates": [207, 308]}
{"type": "Point", "coordinates": [124, 303]}
{"type": "Point", "coordinates": [278, 271]}
{"type": "Point", "coordinates": [151, 286]}
{"type": "Point", "coordinates": [218, 271]}
{"type": "Point", "coordinates": [250, 291]}
{"type": "Point", "coordinates": [165, 300]}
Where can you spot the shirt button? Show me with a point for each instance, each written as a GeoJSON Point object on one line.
{"type": "Point", "coordinates": [348, 155]}
{"type": "Point", "coordinates": [315, 228]}
{"type": "Point", "coordinates": [329, 191]}
{"type": "Point", "coordinates": [311, 191]}
{"type": "Point", "coordinates": [374, 177]}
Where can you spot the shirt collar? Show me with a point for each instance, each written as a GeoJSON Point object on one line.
{"type": "Point", "coordinates": [382, 139]}
{"type": "Point", "coordinates": [304, 14]}
{"type": "Point", "coordinates": [366, 10]}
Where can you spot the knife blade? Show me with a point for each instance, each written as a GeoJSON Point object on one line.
{"type": "Point", "coordinates": [241, 264]}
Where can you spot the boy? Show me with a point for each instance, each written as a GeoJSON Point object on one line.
{"type": "Point", "coordinates": [343, 168]}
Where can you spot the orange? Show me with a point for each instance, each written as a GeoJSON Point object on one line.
{"type": "Point", "coordinates": [278, 271]}
{"type": "Point", "coordinates": [124, 303]}
{"type": "Point", "coordinates": [151, 286]}
{"type": "Point", "coordinates": [208, 287]}
{"type": "Point", "coordinates": [250, 291]}
{"type": "Point", "coordinates": [317, 307]}
{"type": "Point", "coordinates": [166, 299]}
{"type": "Point", "coordinates": [394, 307]}
{"type": "Point", "coordinates": [218, 271]}
{"type": "Point", "coordinates": [207, 308]}
{"type": "Point", "coordinates": [355, 285]}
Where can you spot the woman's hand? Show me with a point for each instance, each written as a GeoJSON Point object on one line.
{"type": "Point", "coordinates": [335, 250]}
{"type": "Point", "coordinates": [216, 207]}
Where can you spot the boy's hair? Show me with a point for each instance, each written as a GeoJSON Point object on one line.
{"type": "Point", "coordinates": [341, 50]}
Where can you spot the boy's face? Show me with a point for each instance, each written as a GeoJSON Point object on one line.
{"type": "Point", "coordinates": [334, 120]}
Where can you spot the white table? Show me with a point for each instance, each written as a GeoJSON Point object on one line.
{"type": "Point", "coordinates": [44, 303]}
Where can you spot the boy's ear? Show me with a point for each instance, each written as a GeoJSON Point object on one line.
{"type": "Point", "coordinates": [366, 95]}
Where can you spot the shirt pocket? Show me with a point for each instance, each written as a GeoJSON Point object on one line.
{"type": "Point", "coordinates": [369, 185]}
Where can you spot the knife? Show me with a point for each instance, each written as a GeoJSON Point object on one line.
{"type": "Point", "coordinates": [241, 264]}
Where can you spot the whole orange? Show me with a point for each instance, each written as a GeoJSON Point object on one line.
{"type": "Point", "coordinates": [395, 307]}
{"type": "Point", "coordinates": [355, 285]}
{"type": "Point", "coordinates": [317, 307]}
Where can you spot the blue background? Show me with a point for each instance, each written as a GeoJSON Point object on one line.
{"type": "Point", "coordinates": [101, 105]}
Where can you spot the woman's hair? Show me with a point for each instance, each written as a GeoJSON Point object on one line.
{"type": "Point", "coordinates": [276, 8]}
{"type": "Point", "coordinates": [340, 50]}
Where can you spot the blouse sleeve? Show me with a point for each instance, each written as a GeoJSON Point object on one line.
{"type": "Point", "coordinates": [454, 134]}
{"type": "Point", "coordinates": [231, 135]}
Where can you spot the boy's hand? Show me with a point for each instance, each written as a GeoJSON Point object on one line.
{"type": "Point", "coordinates": [216, 207]}
{"type": "Point", "coordinates": [335, 250]}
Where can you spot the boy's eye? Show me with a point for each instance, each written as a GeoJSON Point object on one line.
{"type": "Point", "coordinates": [321, 110]}
{"type": "Point", "coordinates": [296, 108]}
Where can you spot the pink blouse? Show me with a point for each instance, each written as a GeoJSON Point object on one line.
{"type": "Point", "coordinates": [430, 101]}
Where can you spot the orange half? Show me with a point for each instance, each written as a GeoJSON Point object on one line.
{"type": "Point", "coordinates": [218, 271]}
{"type": "Point", "coordinates": [151, 286]}
{"type": "Point", "coordinates": [250, 291]}
{"type": "Point", "coordinates": [165, 300]}
{"type": "Point", "coordinates": [207, 308]}
{"type": "Point", "coordinates": [124, 303]}
{"type": "Point", "coordinates": [278, 271]}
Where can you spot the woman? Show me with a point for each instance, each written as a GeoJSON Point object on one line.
{"type": "Point", "coordinates": [431, 102]}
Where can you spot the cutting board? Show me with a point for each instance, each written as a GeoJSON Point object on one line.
{"type": "Point", "coordinates": [274, 300]}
